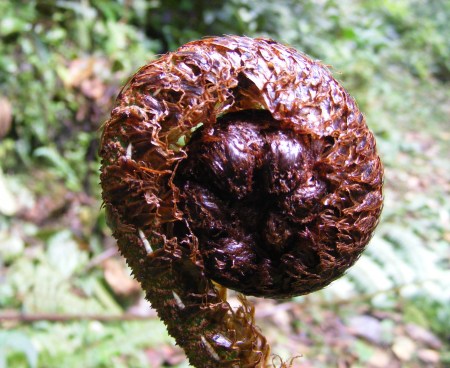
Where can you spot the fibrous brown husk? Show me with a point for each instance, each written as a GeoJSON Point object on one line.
{"type": "Point", "coordinates": [241, 161]}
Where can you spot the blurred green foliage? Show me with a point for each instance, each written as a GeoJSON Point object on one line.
{"type": "Point", "coordinates": [62, 63]}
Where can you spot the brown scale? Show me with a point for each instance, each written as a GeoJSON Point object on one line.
{"type": "Point", "coordinates": [236, 163]}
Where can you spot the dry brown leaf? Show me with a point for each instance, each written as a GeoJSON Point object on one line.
{"type": "Point", "coordinates": [5, 116]}
{"type": "Point", "coordinates": [404, 348]}
{"type": "Point", "coordinates": [429, 356]}
{"type": "Point", "coordinates": [366, 327]}
{"type": "Point", "coordinates": [165, 355]}
{"type": "Point", "coordinates": [118, 279]}
{"type": "Point", "coordinates": [93, 88]}
{"type": "Point", "coordinates": [421, 335]}
{"type": "Point", "coordinates": [380, 359]}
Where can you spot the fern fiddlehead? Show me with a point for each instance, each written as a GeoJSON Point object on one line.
{"type": "Point", "coordinates": [239, 163]}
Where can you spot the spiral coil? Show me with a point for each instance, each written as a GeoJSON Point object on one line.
{"type": "Point", "coordinates": [236, 162]}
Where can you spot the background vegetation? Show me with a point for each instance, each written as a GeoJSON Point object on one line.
{"type": "Point", "coordinates": [66, 298]}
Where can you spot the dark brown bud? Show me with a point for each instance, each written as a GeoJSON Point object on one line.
{"type": "Point", "coordinates": [244, 162]}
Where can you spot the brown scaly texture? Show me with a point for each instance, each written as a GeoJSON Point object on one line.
{"type": "Point", "coordinates": [239, 162]}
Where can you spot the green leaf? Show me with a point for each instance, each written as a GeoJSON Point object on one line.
{"type": "Point", "coordinates": [11, 343]}
{"type": "Point", "coordinates": [363, 350]}
{"type": "Point", "coordinates": [64, 254]}
{"type": "Point", "coordinates": [63, 169]}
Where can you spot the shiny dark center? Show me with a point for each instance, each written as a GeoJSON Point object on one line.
{"type": "Point", "coordinates": [248, 190]}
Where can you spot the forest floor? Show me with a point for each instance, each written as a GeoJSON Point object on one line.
{"type": "Point", "coordinates": [67, 298]}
